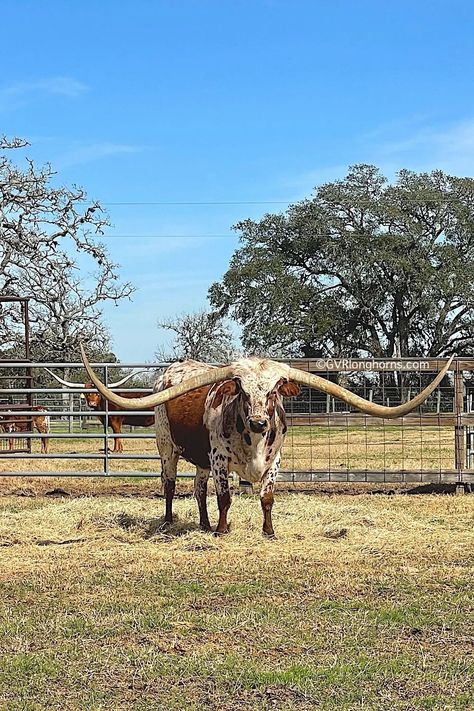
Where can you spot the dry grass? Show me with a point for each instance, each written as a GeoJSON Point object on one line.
{"type": "Point", "coordinates": [361, 603]}
{"type": "Point", "coordinates": [306, 449]}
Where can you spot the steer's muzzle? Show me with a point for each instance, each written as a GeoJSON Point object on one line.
{"type": "Point", "coordinates": [258, 424]}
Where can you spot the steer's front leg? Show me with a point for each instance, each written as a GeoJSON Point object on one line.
{"type": "Point", "coordinates": [266, 497]}
{"type": "Point", "coordinates": [116, 424]}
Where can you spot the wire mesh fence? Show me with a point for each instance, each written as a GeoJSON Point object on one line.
{"type": "Point", "coordinates": [326, 441]}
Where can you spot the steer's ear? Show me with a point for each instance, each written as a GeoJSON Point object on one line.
{"type": "Point", "coordinates": [228, 387]}
{"type": "Point", "coordinates": [289, 389]}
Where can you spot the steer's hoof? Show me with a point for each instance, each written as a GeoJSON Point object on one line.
{"type": "Point", "coordinates": [206, 527]}
{"type": "Point", "coordinates": [224, 532]}
{"type": "Point", "coordinates": [270, 535]}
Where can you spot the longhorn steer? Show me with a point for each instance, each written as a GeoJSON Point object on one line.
{"type": "Point", "coordinates": [232, 419]}
{"type": "Point", "coordinates": [97, 402]}
{"type": "Point", "coordinates": [16, 424]}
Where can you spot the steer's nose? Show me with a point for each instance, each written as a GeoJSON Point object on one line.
{"type": "Point", "coordinates": [258, 424]}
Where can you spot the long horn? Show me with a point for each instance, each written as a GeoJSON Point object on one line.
{"type": "Point", "coordinates": [124, 380]}
{"type": "Point", "coordinates": [314, 381]}
{"type": "Point", "coordinates": [215, 375]}
{"type": "Point", "coordinates": [67, 383]}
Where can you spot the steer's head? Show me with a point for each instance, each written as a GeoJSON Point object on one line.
{"type": "Point", "coordinates": [253, 398]}
{"type": "Point", "coordinates": [92, 397]}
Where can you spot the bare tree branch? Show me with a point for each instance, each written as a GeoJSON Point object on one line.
{"type": "Point", "coordinates": [202, 335]}
{"type": "Point", "coordinates": [44, 232]}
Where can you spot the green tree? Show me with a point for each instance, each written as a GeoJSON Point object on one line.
{"type": "Point", "coordinates": [362, 268]}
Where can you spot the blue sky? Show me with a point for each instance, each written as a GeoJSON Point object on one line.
{"type": "Point", "coordinates": [247, 101]}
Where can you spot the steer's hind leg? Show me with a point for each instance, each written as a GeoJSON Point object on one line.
{"type": "Point", "coordinates": [169, 459]}
{"type": "Point", "coordinates": [200, 492]}
{"type": "Point", "coordinates": [169, 462]}
{"type": "Point", "coordinates": [221, 482]}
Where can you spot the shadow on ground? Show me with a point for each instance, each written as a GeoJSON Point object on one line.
{"type": "Point", "coordinates": [150, 527]}
{"type": "Point", "coordinates": [56, 487]}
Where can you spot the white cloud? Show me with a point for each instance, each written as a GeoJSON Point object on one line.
{"type": "Point", "coordinates": [21, 93]}
{"type": "Point", "coordinates": [449, 148]}
{"type": "Point", "coordinates": [92, 152]}
{"type": "Point", "coordinates": [416, 143]}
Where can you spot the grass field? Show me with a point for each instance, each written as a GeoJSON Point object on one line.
{"type": "Point", "coordinates": [306, 448]}
{"type": "Point", "coordinates": [362, 602]}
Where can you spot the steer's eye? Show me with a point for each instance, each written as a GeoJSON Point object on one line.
{"type": "Point", "coordinates": [245, 402]}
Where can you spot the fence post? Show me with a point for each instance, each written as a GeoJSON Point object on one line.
{"type": "Point", "coordinates": [70, 426]}
{"type": "Point", "coordinates": [459, 444]}
{"type": "Point", "coordinates": [106, 426]}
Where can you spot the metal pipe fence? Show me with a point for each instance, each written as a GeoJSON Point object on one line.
{"type": "Point", "coordinates": [325, 440]}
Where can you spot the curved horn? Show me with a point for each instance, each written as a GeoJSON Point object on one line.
{"type": "Point", "coordinates": [314, 381]}
{"type": "Point", "coordinates": [67, 383]}
{"type": "Point", "coordinates": [124, 380]}
{"type": "Point", "coordinates": [210, 377]}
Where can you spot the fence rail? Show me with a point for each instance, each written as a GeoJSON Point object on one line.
{"type": "Point", "coordinates": [325, 441]}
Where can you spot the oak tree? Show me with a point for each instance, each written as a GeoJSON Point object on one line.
{"type": "Point", "coordinates": [363, 267]}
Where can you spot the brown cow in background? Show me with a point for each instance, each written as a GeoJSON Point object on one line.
{"type": "Point", "coordinates": [19, 424]}
{"type": "Point", "coordinates": [97, 402]}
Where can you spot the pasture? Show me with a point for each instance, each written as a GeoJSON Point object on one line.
{"type": "Point", "coordinates": [362, 602]}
